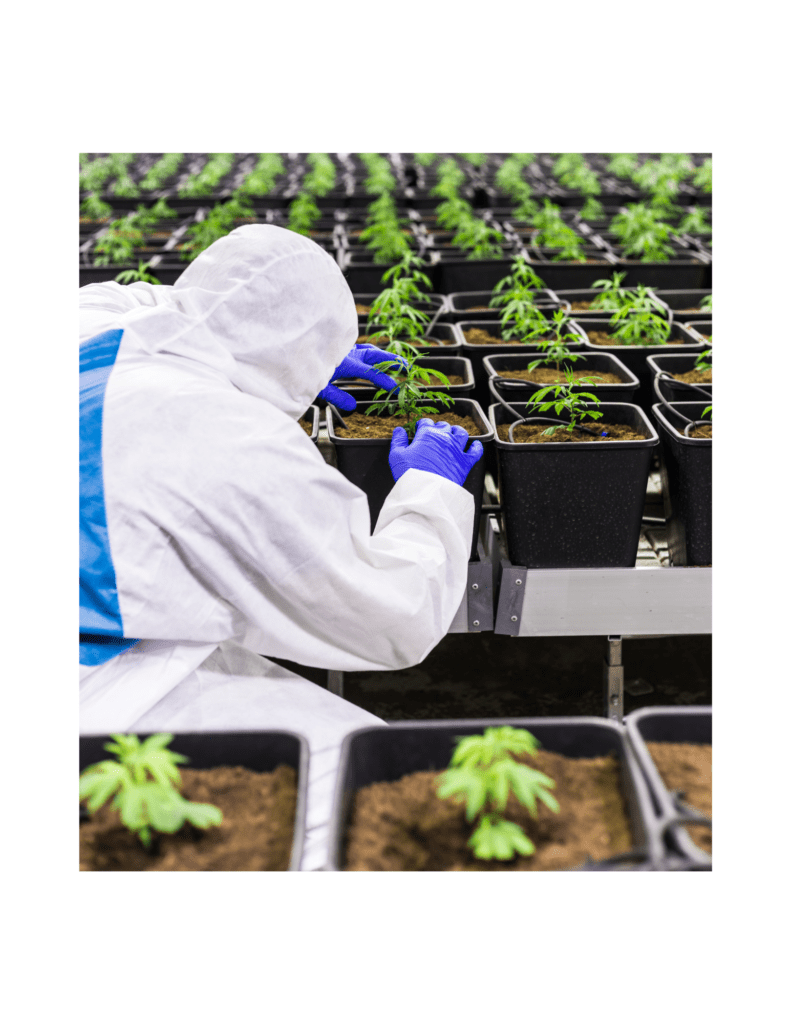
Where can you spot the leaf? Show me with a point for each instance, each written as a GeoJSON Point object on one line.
{"type": "Point", "coordinates": [101, 781]}
{"type": "Point", "coordinates": [202, 815]}
{"type": "Point", "coordinates": [467, 782]}
{"type": "Point", "coordinates": [164, 807]}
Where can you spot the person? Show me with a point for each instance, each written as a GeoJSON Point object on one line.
{"type": "Point", "coordinates": [213, 534]}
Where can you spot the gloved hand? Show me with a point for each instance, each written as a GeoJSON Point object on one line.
{"type": "Point", "coordinates": [437, 448]}
{"type": "Point", "coordinates": [359, 363]}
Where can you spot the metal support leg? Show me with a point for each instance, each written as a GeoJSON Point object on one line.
{"type": "Point", "coordinates": [613, 679]}
{"type": "Point", "coordinates": [335, 682]}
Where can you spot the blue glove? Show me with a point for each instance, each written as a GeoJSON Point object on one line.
{"type": "Point", "coordinates": [359, 363]}
{"type": "Point", "coordinates": [437, 448]}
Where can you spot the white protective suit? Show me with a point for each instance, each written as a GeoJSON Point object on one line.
{"type": "Point", "coordinates": [230, 534]}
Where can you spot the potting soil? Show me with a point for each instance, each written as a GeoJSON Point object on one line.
{"type": "Point", "coordinates": [256, 832]}
{"type": "Point", "coordinates": [361, 425]}
{"type": "Point", "coordinates": [549, 375]}
{"type": "Point", "coordinates": [453, 378]}
{"type": "Point", "coordinates": [533, 433]}
{"type": "Point", "coordinates": [694, 376]}
{"type": "Point", "coordinates": [362, 309]}
{"type": "Point", "coordinates": [603, 338]}
{"type": "Point", "coordinates": [702, 431]}
{"type": "Point", "coordinates": [405, 826]}
{"type": "Point", "coordinates": [478, 336]}
{"type": "Point", "coordinates": [307, 425]}
{"type": "Point", "coordinates": [363, 340]}
{"type": "Point", "coordinates": [686, 767]}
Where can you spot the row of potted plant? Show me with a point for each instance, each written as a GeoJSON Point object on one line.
{"type": "Point", "coordinates": [471, 795]}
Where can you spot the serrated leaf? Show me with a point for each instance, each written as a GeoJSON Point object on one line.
{"type": "Point", "coordinates": [202, 815]}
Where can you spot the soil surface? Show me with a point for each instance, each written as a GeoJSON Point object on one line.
{"type": "Point", "coordinates": [532, 433]}
{"type": "Point", "coordinates": [361, 425]}
{"type": "Point", "coordinates": [307, 426]}
{"type": "Point", "coordinates": [478, 336]}
{"type": "Point", "coordinates": [405, 826]}
{"type": "Point", "coordinates": [687, 767]}
{"type": "Point", "coordinates": [700, 432]}
{"type": "Point", "coordinates": [694, 377]}
{"type": "Point", "coordinates": [549, 375]}
{"type": "Point", "coordinates": [603, 338]}
{"type": "Point", "coordinates": [362, 309]}
{"type": "Point", "coordinates": [478, 309]}
{"type": "Point", "coordinates": [589, 305]}
{"type": "Point", "coordinates": [256, 832]}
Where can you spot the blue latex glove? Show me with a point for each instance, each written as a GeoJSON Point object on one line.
{"type": "Point", "coordinates": [437, 448]}
{"type": "Point", "coordinates": [360, 362]}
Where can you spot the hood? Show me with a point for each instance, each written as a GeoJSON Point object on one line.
{"type": "Point", "coordinates": [265, 307]}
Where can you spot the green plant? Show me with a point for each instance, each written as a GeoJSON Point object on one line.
{"type": "Point", "coordinates": [555, 349]}
{"type": "Point", "coordinates": [520, 317]}
{"type": "Point", "coordinates": [146, 218]}
{"type": "Point", "coordinates": [141, 274]}
{"type": "Point", "coordinates": [425, 159]}
{"type": "Point", "coordinates": [703, 362]}
{"type": "Point", "coordinates": [261, 180]}
{"type": "Point", "coordinates": [125, 187]}
{"type": "Point", "coordinates": [622, 165]}
{"type": "Point", "coordinates": [118, 243]}
{"type": "Point", "coordinates": [409, 395]}
{"type": "Point", "coordinates": [450, 179]}
{"type": "Point", "coordinates": [702, 176]}
{"type": "Point", "coordinates": [302, 213]}
{"type": "Point", "coordinates": [642, 233]}
{"type": "Point", "coordinates": [144, 784]}
{"type": "Point", "coordinates": [509, 179]}
{"type": "Point", "coordinates": [553, 233]}
{"type": "Point", "coordinates": [478, 160]}
{"type": "Point", "coordinates": [640, 327]}
{"type": "Point", "coordinates": [480, 239]}
{"type": "Point", "coordinates": [208, 178]}
{"type": "Point", "coordinates": [380, 178]}
{"type": "Point", "coordinates": [393, 312]}
{"type": "Point", "coordinates": [563, 399]}
{"type": "Point", "coordinates": [220, 221]}
{"type": "Point", "coordinates": [94, 174]}
{"type": "Point", "coordinates": [452, 212]}
{"type": "Point", "coordinates": [320, 179]}
{"type": "Point", "coordinates": [695, 222]}
{"type": "Point", "coordinates": [95, 208]}
{"type": "Point", "coordinates": [164, 168]}
{"type": "Point", "coordinates": [706, 304]}
{"type": "Point", "coordinates": [483, 773]}
{"type": "Point", "coordinates": [612, 295]}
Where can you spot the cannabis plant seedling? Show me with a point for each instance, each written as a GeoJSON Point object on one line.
{"type": "Point", "coordinates": [479, 238]}
{"type": "Point", "coordinates": [706, 304]}
{"type": "Point", "coordinates": [408, 396]}
{"type": "Point", "coordinates": [575, 403]}
{"type": "Point", "coordinates": [640, 327]}
{"type": "Point", "coordinates": [303, 213]}
{"type": "Point", "coordinates": [144, 784]}
{"type": "Point", "coordinates": [520, 317]}
{"type": "Point", "coordinates": [95, 208]}
{"type": "Point", "coordinates": [703, 362]}
{"type": "Point", "coordinates": [483, 773]}
{"type": "Point", "coordinates": [141, 274]}
{"type": "Point", "coordinates": [703, 175]}
{"type": "Point", "coordinates": [695, 222]}
{"type": "Point", "coordinates": [642, 233]}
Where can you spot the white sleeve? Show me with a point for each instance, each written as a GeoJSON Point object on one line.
{"type": "Point", "coordinates": [262, 535]}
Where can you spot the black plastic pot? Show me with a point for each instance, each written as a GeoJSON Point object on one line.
{"type": "Point", "coordinates": [677, 390]}
{"type": "Point", "coordinates": [572, 295]}
{"type": "Point", "coordinates": [456, 273]}
{"type": "Point", "coordinates": [561, 275]}
{"type": "Point", "coordinates": [476, 353]}
{"type": "Point", "coordinates": [684, 303]}
{"type": "Point", "coordinates": [313, 415]}
{"type": "Point", "coordinates": [364, 461]}
{"type": "Point", "coordinates": [635, 356]}
{"type": "Point", "coordinates": [436, 302]}
{"type": "Point", "coordinates": [258, 751]}
{"type": "Point", "coordinates": [686, 484]}
{"type": "Point", "coordinates": [702, 329]}
{"type": "Point", "coordinates": [520, 390]}
{"type": "Point", "coordinates": [363, 275]}
{"type": "Point", "coordinates": [387, 753]}
{"type": "Point", "coordinates": [574, 505]}
{"type": "Point", "coordinates": [681, 271]}
{"type": "Point", "coordinates": [459, 303]}
{"type": "Point", "coordinates": [670, 725]}
{"type": "Point", "coordinates": [444, 364]}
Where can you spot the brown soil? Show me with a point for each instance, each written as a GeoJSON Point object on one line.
{"type": "Point", "coordinates": [547, 375]}
{"type": "Point", "coordinates": [362, 309]}
{"type": "Point", "coordinates": [478, 336]}
{"type": "Point", "coordinates": [478, 309]}
{"type": "Point", "coordinates": [532, 433]}
{"type": "Point", "coordinates": [404, 826]}
{"type": "Point", "coordinates": [694, 377]}
{"type": "Point", "coordinates": [691, 309]}
{"type": "Point", "coordinates": [255, 835]}
{"type": "Point", "coordinates": [704, 432]}
{"type": "Point", "coordinates": [361, 425]}
{"type": "Point", "coordinates": [307, 425]}
{"type": "Point", "coordinates": [589, 305]}
{"type": "Point", "coordinates": [363, 340]}
{"type": "Point", "coordinates": [453, 378]}
{"type": "Point", "coordinates": [687, 767]}
{"type": "Point", "coordinates": [603, 338]}
{"type": "Point", "coordinates": [706, 336]}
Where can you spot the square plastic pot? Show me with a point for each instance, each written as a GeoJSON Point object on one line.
{"type": "Point", "coordinates": [574, 505]}
{"type": "Point", "coordinates": [682, 271]}
{"type": "Point", "coordinates": [520, 391]}
{"type": "Point", "coordinates": [669, 725]}
{"type": "Point", "coordinates": [684, 303]}
{"type": "Point", "coordinates": [702, 329]}
{"type": "Point", "coordinates": [258, 751]}
{"type": "Point", "coordinates": [677, 390]}
{"type": "Point", "coordinates": [476, 353]}
{"type": "Point", "coordinates": [459, 303]}
{"type": "Point", "coordinates": [386, 754]}
{"type": "Point", "coordinates": [453, 272]}
{"type": "Point", "coordinates": [313, 414]}
{"type": "Point", "coordinates": [364, 461]}
{"type": "Point", "coordinates": [572, 295]}
{"type": "Point", "coordinates": [686, 484]}
{"type": "Point", "coordinates": [560, 275]}
{"type": "Point", "coordinates": [363, 275]}
{"type": "Point", "coordinates": [635, 357]}
{"type": "Point", "coordinates": [448, 343]}
{"type": "Point", "coordinates": [448, 365]}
